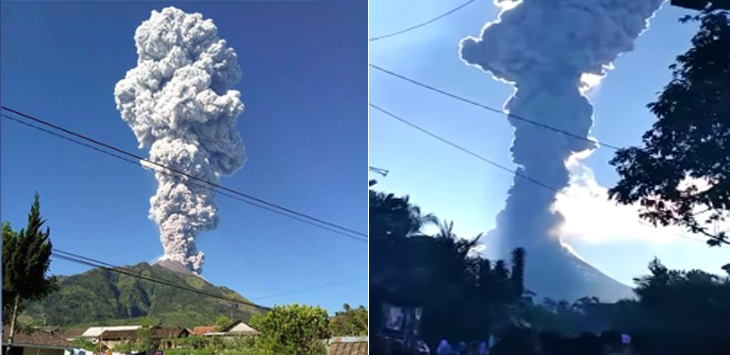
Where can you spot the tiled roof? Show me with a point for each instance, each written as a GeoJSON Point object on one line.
{"type": "Point", "coordinates": [119, 334]}
{"type": "Point", "coordinates": [94, 332]}
{"type": "Point", "coordinates": [348, 346]}
{"type": "Point", "coordinates": [203, 330]}
{"type": "Point", "coordinates": [168, 332]}
{"type": "Point", "coordinates": [159, 333]}
{"type": "Point", "coordinates": [38, 338]}
{"type": "Point", "coordinates": [72, 332]}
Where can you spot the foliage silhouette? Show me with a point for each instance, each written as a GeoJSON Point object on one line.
{"type": "Point", "coordinates": [681, 175]}
{"type": "Point", "coordinates": [26, 259]}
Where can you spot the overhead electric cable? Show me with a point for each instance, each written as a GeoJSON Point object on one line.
{"type": "Point", "coordinates": [312, 288]}
{"type": "Point", "coordinates": [492, 109]}
{"type": "Point", "coordinates": [422, 23]}
{"type": "Point", "coordinates": [80, 259]}
{"type": "Point", "coordinates": [467, 151]}
{"type": "Point", "coordinates": [291, 213]}
{"type": "Point", "coordinates": [495, 164]}
{"type": "Point", "coordinates": [191, 182]}
{"type": "Point", "coordinates": [119, 270]}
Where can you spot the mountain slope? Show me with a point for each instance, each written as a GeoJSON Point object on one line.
{"type": "Point", "coordinates": [102, 297]}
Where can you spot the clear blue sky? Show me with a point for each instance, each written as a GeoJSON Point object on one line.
{"type": "Point", "coordinates": [304, 88]}
{"type": "Point", "coordinates": [458, 187]}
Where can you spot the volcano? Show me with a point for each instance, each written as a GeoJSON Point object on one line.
{"type": "Point", "coordinates": [554, 271]}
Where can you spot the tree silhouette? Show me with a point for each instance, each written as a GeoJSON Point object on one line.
{"type": "Point", "coordinates": [463, 295]}
{"type": "Point", "coordinates": [25, 260]}
{"type": "Point", "coordinates": [681, 175]}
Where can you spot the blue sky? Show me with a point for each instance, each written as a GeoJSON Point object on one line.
{"type": "Point", "coordinates": [458, 187]}
{"type": "Point", "coordinates": [304, 88]}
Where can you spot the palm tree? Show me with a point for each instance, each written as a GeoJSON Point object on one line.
{"type": "Point", "coordinates": [518, 272]}
{"type": "Point", "coordinates": [397, 217]}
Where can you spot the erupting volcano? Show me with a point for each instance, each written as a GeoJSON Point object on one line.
{"type": "Point", "coordinates": [545, 48]}
{"type": "Point", "coordinates": [179, 103]}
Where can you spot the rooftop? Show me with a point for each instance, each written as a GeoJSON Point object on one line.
{"type": "Point", "coordinates": [39, 339]}
{"type": "Point", "coordinates": [95, 332]}
{"type": "Point", "coordinates": [348, 346]}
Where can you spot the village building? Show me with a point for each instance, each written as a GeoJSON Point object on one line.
{"type": "Point", "coordinates": [347, 346]}
{"type": "Point", "coordinates": [166, 337]}
{"type": "Point", "coordinates": [203, 330]}
{"type": "Point", "coordinates": [238, 328]}
{"type": "Point", "coordinates": [93, 333]}
{"type": "Point", "coordinates": [38, 342]}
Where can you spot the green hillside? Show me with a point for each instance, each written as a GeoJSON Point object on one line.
{"type": "Point", "coordinates": [101, 297]}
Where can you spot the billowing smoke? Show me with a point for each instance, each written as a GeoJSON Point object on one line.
{"type": "Point", "coordinates": [545, 48]}
{"type": "Point", "coordinates": [179, 103]}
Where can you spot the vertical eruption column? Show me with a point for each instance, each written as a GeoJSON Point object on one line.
{"type": "Point", "coordinates": [541, 155]}
{"type": "Point", "coordinates": [179, 103]}
{"type": "Point", "coordinates": [543, 47]}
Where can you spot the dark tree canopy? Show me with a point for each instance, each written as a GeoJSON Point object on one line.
{"type": "Point", "coordinates": [350, 322]}
{"type": "Point", "coordinates": [25, 261]}
{"type": "Point", "coordinates": [463, 295]}
{"type": "Point", "coordinates": [681, 175]}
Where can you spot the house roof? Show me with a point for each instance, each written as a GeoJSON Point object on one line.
{"type": "Point", "coordinates": [203, 330]}
{"type": "Point", "coordinates": [158, 333]}
{"type": "Point", "coordinates": [118, 334]}
{"type": "Point", "coordinates": [94, 332]}
{"type": "Point", "coordinates": [348, 346]}
{"type": "Point", "coordinates": [40, 339]}
{"type": "Point", "coordinates": [169, 332]}
{"type": "Point", "coordinates": [240, 328]}
{"type": "Point", "coordinates": [72, 332]}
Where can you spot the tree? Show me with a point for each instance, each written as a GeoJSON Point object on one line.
{"type": "Point", "coordinates": [222, 323]}
{"type": "Point", "coordinates": [26, 259]}
{"type": "Point", "coordinates": [463, 296]}
{"type": "Point", "coordinates": [146, 340]}
{"type": "Point", "coordinates": [681, 175]}
{"type": "Point", "coordinates": [677, 312]}
{"type": "Point", "coordinates": [292, 330]}
{"type": "Point", "coordinates": [350, 322]}
{"type": "Point", "coordinates": [7, 294]}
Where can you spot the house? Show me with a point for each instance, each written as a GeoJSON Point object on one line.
{"type": "Point", "coordinates": [167, 336]}
{"type": "Point", "coordinates": [37, 343]}
{"type": "Point", "coordinates": [238, 328]}
{"type": "Point", "coordinates": [95, 332]}
{"type": "Point", "coordinates": [348, 346]}
{"type": "Point", "coordinates": [203, 330]}
{"type": "Point", "coordinates": [111, 338]}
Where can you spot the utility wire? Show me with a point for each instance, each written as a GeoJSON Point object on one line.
{"type": "Point", "coordinates": [422, 23]}
{"type": "Point", "coordinates": [312, 288]}
{"type": "Point", "coordinates": [491, 162]}
{"type": "Point", "coordinates": [467, 151]}
{"type": "Point", "coordinates": [119, 270]}
{"type": "Point", "coordinates": [140, 158]}
{"type": "Point", "coordinates": [135, 162]}
{"type": "Point", "coordinates": [489, 108]}
{"type": "Point", "coordinates": [80, 259]}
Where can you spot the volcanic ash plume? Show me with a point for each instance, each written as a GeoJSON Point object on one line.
{"type": "Point", "coordinates": [179, 104]}
{"type": "Point", "coordinates": [544, 47]}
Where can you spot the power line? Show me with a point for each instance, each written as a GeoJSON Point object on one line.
{"type": "Point", "coordinates": [135, 162]}
{"type": "Point", "coordinates": [218, 186]}
{"type": "Point", "coordinates": [80, 259]}
{"type": "Point", "coordinates": [312, 288]}
{"type": "Point", "coordinates": [467, 151]}
{"type": "Point", "coordinates": [422, 23]}
{"type": "Point", "coordinates": [489, 108]}
{"type": "Point", "coordinates": [119, 270]}
{"type": "Point", "coordinates": [491, 162]}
